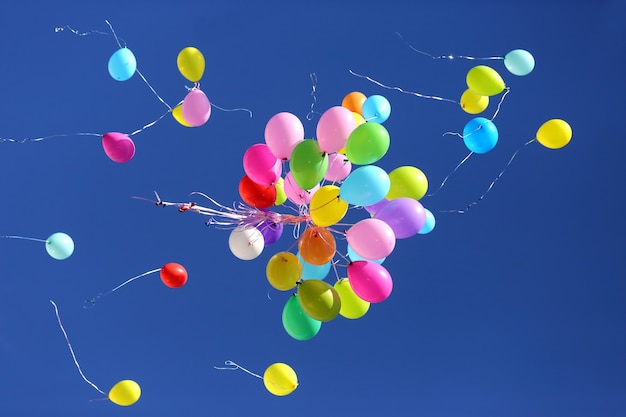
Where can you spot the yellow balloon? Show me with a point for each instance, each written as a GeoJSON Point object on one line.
{"type": "Point", "coordinates": [125, 392]}
{"type": "Point", "coordinates": [280, 379]}
{"type": "Point", "coordinates": [283, 271]}
{"type": "Point", "coordinates": [358, 118]}
{"type": "Point", "coordinates": [554, 134]}
{"type": "Point", "coordinates": [407, 181]}
{"type": "Point", "coordinates": [177, 112]}
{"type": "Point", "coordinates": [319, 300]}
{"type": "Point", "coordinates": [326, 208]}
{"type": "Point", "coordinates": [281, 195]}
{"type": "Point", "coordinates": [352, 307]}
{"type": "Point", "coordinates": [473, 103]}
{"type": "Point", "coordinates": [484, 81]}
{"type": "Point", "coordinates": [190, 63]}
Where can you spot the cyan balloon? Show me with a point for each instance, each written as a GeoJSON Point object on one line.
{"type": "Point", "coordinates": [376, 108]}
{"type": "Point", "coordinates": [519, 62]}
{"type": "Point", "coordinates": [310, 271]}
{"type": "Point", "coordinates": [365, 186]}
{"type": "Point", "coordinates": [429, 225]}
{"type": "Point", "coordinates": [356, 257]}
{"type": "Point", "coordinates": [60, 246]}
{"type": "Point", "coordinates": [480, 135]}
{"type": "Point", "coordinates": [122, 64]}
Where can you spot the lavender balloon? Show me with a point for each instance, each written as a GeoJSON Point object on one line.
{"type": "Point", "coordinates": [406, 216]}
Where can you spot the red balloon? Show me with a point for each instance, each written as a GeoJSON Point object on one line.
{"type": "Point", "coordinates": [256, 195]}
{"type": "Point", "coordinates": [173, 275]}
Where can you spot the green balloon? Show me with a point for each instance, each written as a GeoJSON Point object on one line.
{"type": "Point", "coordinates": [297, 323]}
{"type": "Point", "coordinates": [308, 164]}
{"type": "Point", "coordinates": [319, 299]}
{"type": "Point", "coordinates": [367, 143]}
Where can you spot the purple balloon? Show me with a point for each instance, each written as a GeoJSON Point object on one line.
{"type": "Point", "coordinates": [373, 209]}
{"type": "Point", "coordinates": [406, 216]}
{"type": "Point", "coordinates": [271, 231]}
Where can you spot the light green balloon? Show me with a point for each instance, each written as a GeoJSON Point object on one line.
{"type": "Point", "coordinates": [308, 164]}
{"type": "Point", "coordinates": [367, 143]}
{"type": "Point", "coordinates": [519, 62]}
{"type": "Point", "coordinates": [297, 323]}
{"type": "Point", "coordinates": [60, 246]}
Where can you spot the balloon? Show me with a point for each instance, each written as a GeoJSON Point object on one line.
{"type": "Point", "coordinates": [334, 127]}
{"type": "Point", "coordinates": [177, 112]}
{"type": "Point", "coordinates": [281, 195]}
{"type": "Point", "coordinates": [480, 135]}
{"type": "Point", "coordinates": [271, 231]}
{"type": "Point", "coordinates": [365, 186]}
{"type": "Point", "coordinates": [373, 209]}
{"type": "Point", "coordinates": [283, 271]}
{"type": "Point", "coordinates": [297, 323]}
{"type": "Point", "coordinates": [122, 64]}
{"type": "Point", "coordinates": [519, 62]}
{"type": "Point", "coordinates": [190, 62]}
{"type": "Point", "coordinates": [260, 164]}
{"type": "Point", "coordinates": [118, 146]}
{"type": "Point", "coordinates": [310, 271]}
{"type": "Point", "coordinates": [280, 379]}
{"type": "Point", "coordinates": [407, 181]}
{"type": "Point", "coordinates": [256, 195]}
{"type": "Point", "coordinates": [246, 243]}
{"type": "Point", "coordinates": [319, 299]}
{"type": "Point", "coordinates": [484, 81]}
{"type": "Point", "coordinates": [370, 281]}
{"type": "Point", "coordinates": [376, 109]}
{"type": "Point", "coordinates": [339, 167]}
{"type": "Point", "coordinates": [356, 257]}
{"type": "Point", "coordinates": [473, 103]}
{"type": "Point", "coordinates": [173, 275]}
{"type": "Point", "coordinates": [282, 133]}
{"type": "Point", "coordinates": [354, 101]}
{"type": "Point", "coordinates": [352, 307]}
{"type": "Point", "coordinates": [326, 208]}
{"type": "Point", "coordinates": [317, 245]}
{"type": "Point", "coordinates": [295, 193]}
{"type": "Point", "coordinates": [367, 143]}
{"type": "Point", "coordinates": [371, 238]}
{"type": "Point", "coordinates": [126, 392]}
{"type": "Point", "coordinates": [196, 108]}
{"type": "Point", "coordinates": [554, 134]}
{"type": "Point", "coordinates": [60, 246]}
{"type": "Point", "coordinates": [429, 225]}
{"type": "Point", "coordinates": [404, 215]}
{"type": "Point", "coordinates": [308, 164]}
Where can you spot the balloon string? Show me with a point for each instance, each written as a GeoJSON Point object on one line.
{"type": "Point", "coordinates": [506, 91]}
{"type": "Point", "coordinates": [114, 35]}
{"type": "Point", "coordinates": [92, 301]}
{"type": "Point", "coordinates": [152, 123]}
{"type": "Point", "coordinates": [448, 176]}
{"type": "Point", "coordinates": [56, 311]}
{"type": "Point", "coordinates": [450, 57]}
{"type": "Point", "coordinates": [403, 91]}
{"type": "Point", "coordinates": [237, 109]}
{"type": "Point", "coordinates": [232, 366]}
{"type": "Point", "coordinates": [312, 112]}
{"type": "Point", "coordinates": [25, 238]}
{"type": "Point", "coordinates": [47, 137]}
{"type": "Point", "coordinates": [153, 90]}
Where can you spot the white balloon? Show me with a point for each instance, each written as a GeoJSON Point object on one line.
{"type": "Point", "coordinates": [246, 243]}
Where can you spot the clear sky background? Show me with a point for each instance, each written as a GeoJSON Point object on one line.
{"type": "Point", "coordinates": [515, 308]}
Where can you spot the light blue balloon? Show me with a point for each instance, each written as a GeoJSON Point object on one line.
{"type": "Point", "coordinates": [365, 186]}
{"type": "Point", "coordinates": [60, 246]}
{"type": "Point", "coordinates": [430, 223]}
{"type": "Point", "coordinates": [310, 271]}
{"type": "Point", "coordinates": [376, 109]}
{"type": "Point", "coordinates": [480, 135]}
{"type": "Point", "coordinates": [355, 257]}
{"type": "Point", "coordinates": [519, 62]}
{"type": "Point", "coordinates": [122, 64]}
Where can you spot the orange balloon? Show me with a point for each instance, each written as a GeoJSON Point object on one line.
{"type": "Point", "coordinates": [317, 245]}
{"type": "Point", "coordinates": [354, 101]}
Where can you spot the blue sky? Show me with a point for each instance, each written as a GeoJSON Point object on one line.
{"type": "Point", "coordinates": [515, 308]}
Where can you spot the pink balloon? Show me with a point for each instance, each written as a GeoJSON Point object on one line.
{"type": "Point", "coordinates": [334, 127]}
{"type": "Point", "coordinates": [282, 133]}
{"type": "Point", "coordinates": [405, 215]}
{"type": "Point", "coordinates": [370, 281]}
{"type": "Point", "coordinates": [338, 167]}
{"type": "Point", "coordinates": [118, 146]}
{"type": "Point", "coordinates": [295, 194]}
{"type": "Point", "coordinates": [196, 108]}
{"type": "Point", "coordinates": [260, 164]}
{"type": "Point", "coordinates": [371, 239]}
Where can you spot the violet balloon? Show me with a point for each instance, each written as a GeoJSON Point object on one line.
{"type": "Point", "coordinates": [119, 147]}
{"type": "Point", "coordinates": [196, 108]}
{"type": "Point", "coordinates": [406, 216]}
{"type": "Point", "coordinates": [260, 164]}
{"type": "Point", "coordinates": [370, 281]}
{"type": "Point", "coordinates": [271, 231]}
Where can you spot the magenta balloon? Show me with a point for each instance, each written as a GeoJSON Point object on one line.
{"type": "Point", "coordinates": [334, 127]}
{"type": "Point", "coordinates": [295, 194]}
{"type": "Point", "coordinates": [338, 167]}
{"type": "Point", "coordinates": [260, 164]}
{"type": "Point", "coordinates": [406, 216]}
{"type": "Point", "coordinates": [370, 281]}
{"type": "Point", "coordinates": [118, 146]}
{"type": "Point", "coordinates": [196, 108]}
{"type": "Point", "coordinates": [371, 239]}
{"type": "Point", "coordinates": [282, 133]}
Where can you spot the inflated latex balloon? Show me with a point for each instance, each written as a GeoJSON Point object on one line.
{"type": "Point", "coordinates": [370, 281]}
{"type": "Point", "coordinates": [371, 238]}
{"type": "Point", "coordinates": [326, 208]}
{"type": "Point", "coordinates": [407, 181]}
{"type": "Point", "coordinates": [196, 108]}
{"type": "Point", "coordinates": [280, 379]}
{"type": "Point", "coordinates": [119, 147]}
{"type": "Point", "coordinates": [317, 245]}
{"type": "Point", "coordinates": [246, 243]}
{"type": "Point", "coordinates": [480, 135]}
{"type": "Point", "coordinates": [519, 62]}
{"type": "Point", "coordinates": [374, 208]}
{"type": "Point", "coordinates": [473, 103]}
{"type": "Point", "coordinates": [554, 134]}
{"type": "Point", "coordinates": [365, 186]}
{"type": "Point", "coordinates": [354, 101]}
{"type": "Point", "coordinates": [173, 275]}
{"type": "Point", "coordinates": [271, 231]}
{"type": "Point", "coordinates": [484, 81]}
{"type": "Point", "coordinates": [122, 64]}
{"type": "Point", "coordinates": [126, 392]}
{"type": "Point", "coordinates": [429, 224]}
{"type": "Point", "coordinates": [308, 164]}
{"type": "Point", "coordinates": [190, 62]}
{"type": "Point", "coordinates": [177, 113]}
{"type": "Point", "coordinates": [376, 109]}
{"type": "Point", "coordinates": [404, 215]}
{"type": "Point", "coordinates": [367, 143]}
{"type": "Point", "coordinates": [256, 195]}
{"type": "Point", "coordinates": [297, 323]}
{"type": "Point", "coordinates": [282, 133]}
{"type": "Point", "coordinates": [356, 257]}
{"type": "Point", "coordinates": [60, 246]}
{"type": "Point", "coordinates": [334, 127]}
{"type": "Point", "coordinates": [339, 167]}
{"type": "Point", "coordinates": [310, 271]}
{"type": "Point", "coordinates": [281, 195]}
{"type": "Point", "coordinates": [260, 164]}
{"type": "Point", "coordinates": [352, 307]}
{"type": "Point", "coordinates": [295, 193]}
{"type": "Point", "coordinates": [283, 271]}
{"type": "Point", "coordinates": [319, 299]}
